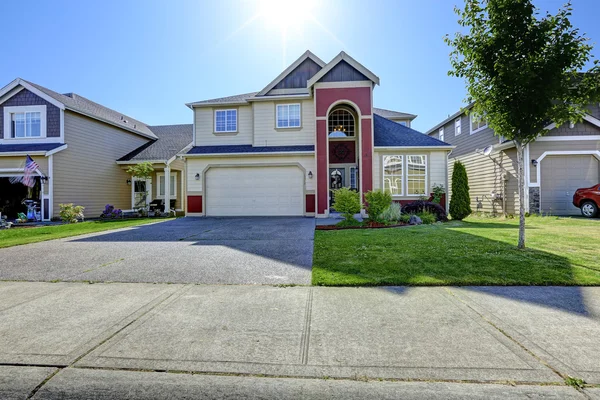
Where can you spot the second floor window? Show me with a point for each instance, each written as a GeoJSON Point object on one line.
{"type": "Point", "coordinates": [457, 127]}
{"type": "Point", "coordinates": [341, 123]}
{"type": "Point", "coordinates": [226, 120]}
{"type": "Point", "coordinates": [288, 115]}
{"type": "Point", "coordinates": [478, 123]}
{"type": "Point", "coordinates": [441, 134]}
{"type": "Point", "coordinates": [26, 124]}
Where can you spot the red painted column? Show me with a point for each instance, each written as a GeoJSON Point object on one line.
{"type": "Point", "coordinates": [366, 161]}
{"type": "Point", "coordinates": [322, 173]}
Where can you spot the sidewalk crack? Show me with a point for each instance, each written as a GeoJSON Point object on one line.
{"type": "Point", "coordinates": [305, 341]}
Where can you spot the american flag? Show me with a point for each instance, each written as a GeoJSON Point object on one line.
{"type": "Point", "coordinates": [28, 178]}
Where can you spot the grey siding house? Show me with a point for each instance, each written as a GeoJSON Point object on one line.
{"type": "Point", "coordinates": [82, 150]}
{"type": "Point", "coordinates": [566, 159]}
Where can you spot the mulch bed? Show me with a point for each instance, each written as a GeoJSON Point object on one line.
{"type": "Point", "coordinates": [372, 225]}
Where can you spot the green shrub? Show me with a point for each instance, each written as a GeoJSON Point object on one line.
{"type": "Point", "coordinates": [460, 202]}
{"type": "Point", "coordinates": [426, 217]}
{"type": "Point", "coordinates": [392, 213]}
{"type": "Point", "coordinates": [377, 202]}
{"type": "Point", "coordinates": [438, 191]}
{"type": "Point", "coordinates": [346, 202]}
{"type": "Point", "coordinates": [348, 222]}
{"type": "Point", "coordinates": [70, 213]}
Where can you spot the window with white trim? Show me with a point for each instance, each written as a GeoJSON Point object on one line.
{"type": "Point", "coordinates": [226, 120]}
{"type": "Point", "coordinates": [288, 115]}
{"type": "Point", "coordinates": [393, 182]}
{"type": "Point", "coordinates": [25, 122]}
{"type": "Point", "coordinates": [441, 134]}
{"type": "Point", "coordinates": [457, 126]}
{"type": "Point", "coordinates": [478, 123]}
{"type": "Point", "coordinates": [172, 185]}
{"type": "Point", "coordinates": [353, 173]}
{"type": "Point", "coordinates": [416, 175]}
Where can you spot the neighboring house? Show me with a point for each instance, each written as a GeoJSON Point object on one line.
{"type": "Point", "coordinates": [280, 151]}
{"type": "Point", "coordinates": [557, 164]}
{"type": "Point", "coordinates": [76, 144]}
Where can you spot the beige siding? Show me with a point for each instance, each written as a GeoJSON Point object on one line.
{"type": "Point", "coordinates": [266, 134]}
{"type": "Point", "coordinates": [19, 162]}
{"type": "Point", "coordinates": [466, 142]}
{"type": "Point", "coordinates": [536, 149]}
{"type": "Point", "coordinates": [198, 166]}
{"type": "Point", "coordinates": [486, 176]}
{"type": "Point", "coordinates": [86, 172]}
{"type": "Point", "coordinates": [436, 168]}
{"type": "Point", "coordinates": [205, 127]}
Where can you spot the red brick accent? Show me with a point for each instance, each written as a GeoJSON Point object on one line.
{"type": "Point", "coordinates": [310, 203]}
{"type": "Point", "coordinates": [366, 160]}
{"type": "Point", "coordinates": [194, 204]}
{"type": "Point", "coordinates": [361, 96]}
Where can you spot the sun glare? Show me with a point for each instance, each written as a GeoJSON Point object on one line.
{"type": "Point", "coordinates": [286, 14]}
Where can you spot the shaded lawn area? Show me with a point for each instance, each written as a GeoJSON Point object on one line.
{"type": "Point", "coordinates": [16, 236]}
{"type": "Point", "coordinates": [477, 251]}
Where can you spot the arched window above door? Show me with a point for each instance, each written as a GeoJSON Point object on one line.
{"type": "Point", "coordinates": [341, 123]}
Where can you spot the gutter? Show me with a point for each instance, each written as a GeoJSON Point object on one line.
{"type": "Point", "coordinates": [274, 153]}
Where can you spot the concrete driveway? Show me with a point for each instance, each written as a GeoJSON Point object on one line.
{"type": "Point", "coordinates": [185, 250]}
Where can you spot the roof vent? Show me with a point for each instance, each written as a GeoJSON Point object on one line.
{"type": "Point", "coordinates": [69, 94]}
{"type": "Point", "coordinates": [134, 126]}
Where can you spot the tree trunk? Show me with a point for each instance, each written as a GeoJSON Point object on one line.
{"type": "Point", "coordinates": [521, 179]}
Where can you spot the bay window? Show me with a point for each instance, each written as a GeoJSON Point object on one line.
{"type": "Point", "coordinates": [405, 175]}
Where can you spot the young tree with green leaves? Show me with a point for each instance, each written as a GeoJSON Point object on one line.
{"type": "Point", "coordinates": [523, 72]}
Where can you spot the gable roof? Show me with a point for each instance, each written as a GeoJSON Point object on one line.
{"type": "Point", "coordinates": [450, 118]}
{"type": "Point", "coordinates": [84, 106]}
{"type": "Point", "coordinates": [172, 139]}
{"type": "Point", "coordinates": [389, 114]}
{"type": "Point", "coordinates": [388, 133]}
{"type": "Point", "coordinates": [351, 61]}
{"type": "Point", "coordinates": [307, 55]}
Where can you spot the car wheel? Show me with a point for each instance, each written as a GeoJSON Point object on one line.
{"type": "Point", "coordinates": [589, 209]}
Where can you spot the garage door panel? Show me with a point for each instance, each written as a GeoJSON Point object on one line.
{"type": "Point", "coordinates": [260, 191]}
{"type": "Point", "coordinates": [561, 176]}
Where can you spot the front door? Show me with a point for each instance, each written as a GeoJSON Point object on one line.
{"type": "Point", "coordinates": [141, 193]}
{"type": "Point", "coordinates": [337, 180]}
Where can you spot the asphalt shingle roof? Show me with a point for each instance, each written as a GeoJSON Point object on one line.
{"type": "Point", "coordinates": [392, 114]}
{"type": "Point", "coordinates": [247, 148]}
{"type": "Point", "coordinates": [238, 98]}
{"type": "Point", "coordinates": [171, 140]}
{"type": "Point", "coordinates": [9, 148]}
{"type": "Point", "coordinates": [82, 105]}
{"type": "Point", "coordinates": [391, 134]}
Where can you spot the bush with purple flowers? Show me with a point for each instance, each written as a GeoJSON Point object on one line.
{"type": "Point", "coordinates": [110, 212]}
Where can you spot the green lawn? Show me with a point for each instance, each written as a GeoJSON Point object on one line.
{"type": "Point", "coordinates": [477, 251]}
{"type": "Point", "coordinates": [17, 236]}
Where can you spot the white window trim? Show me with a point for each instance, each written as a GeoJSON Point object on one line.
{"type": "Point", "coordinates": [225, 111]}
{"type": "Point", "coordinates": [441, 134]}
{"type": "Point", "coordinates": [159, 185]}
{"type": "Point", "coordinates": [24, 109]}
{"type": "Point", "coordinates": [471, 125]}
{"type": "Point", "coordinates": [288, 106]}
{"type": "Point", "coordinates": [403, 177]}
{"type": "Point", "coordinates": [457, 124]}
{"type": "Point", "coordinates": [426, 175]}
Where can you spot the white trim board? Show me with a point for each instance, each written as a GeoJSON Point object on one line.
{"type": "Point", "coordinates": [32, 89]}
{"type": "Point", "coordinates": [345, 57]}
{"type": "Point", "coordinates": [595, 153]}
{"type": "Point", "coordinates": [567, 138]}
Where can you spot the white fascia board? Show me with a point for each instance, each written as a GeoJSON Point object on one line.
{"type": "Point", "coordinates": [23, 153]}
{"type": "Point", "coordinates": [217, 104]}
{"type": "Point", "coordinates": [288, 70]}
{"type": "Point", "coordinates": [278, 153]}
{"type": "Point", "coordinates": [386, 148]}
{"type": "Point", "coordinates": [133, 162]}
{"type": "Point", "coordinates": [56, 150]}
{"type": "Point", "coordinates": [33, 90]}
{"type": "Point", "coordinates": [282, 97]}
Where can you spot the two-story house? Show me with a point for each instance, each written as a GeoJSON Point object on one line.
{"type": "Point", "coordinates": [281, 151]}
{"type": "Point", "coordinates": [82, 150]}
{"type": "Point", "coordinates": [557, 164]}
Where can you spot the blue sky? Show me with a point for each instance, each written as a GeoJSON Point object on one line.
{"type": "Point", "coordinates": [147, 58]}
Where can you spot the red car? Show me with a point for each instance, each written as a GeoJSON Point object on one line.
{"type": "Point", "coordinates": [588, 200]}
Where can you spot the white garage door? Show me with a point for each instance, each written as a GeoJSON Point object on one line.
{"type": "Point", "coordinates": [250, 191]}
{"type": "Point", "coordinates": [561, 176]}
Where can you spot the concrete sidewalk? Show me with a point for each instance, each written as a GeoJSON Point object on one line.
{"type": "Point", "coordinates": [463, 341]}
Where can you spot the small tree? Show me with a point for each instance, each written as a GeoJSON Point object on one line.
{"type": "Point", "coordinates": [143, 170]}
{"type": "Point", "coordinates": [522, 72]}
{"type": "Point", "coordinates": [346, 202]}
{"type": "Point", "coordinates": [460, 202]}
